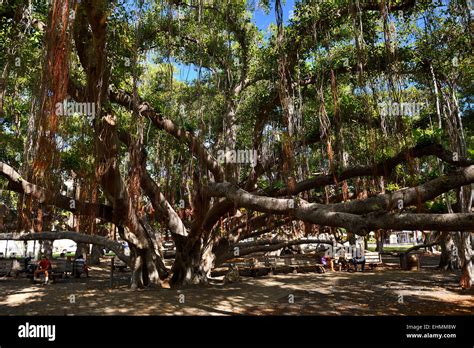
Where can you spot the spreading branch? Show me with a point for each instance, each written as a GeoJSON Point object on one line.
{"type": "Point", "coordinates": [383, 168]}
{"type": "Point", "coordinates": [326, 215]}
{"type": "Point", "coordinates": [17, 184]}
{"type": "Point", "coordinates": [196, 147]}
{"type": "Point", "coordinates": [77, 237]}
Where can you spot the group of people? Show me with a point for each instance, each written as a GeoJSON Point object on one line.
{"type": "Point", "coordinates": [343, 263]}
{"type": "Point", "coordinates": [45, 267]}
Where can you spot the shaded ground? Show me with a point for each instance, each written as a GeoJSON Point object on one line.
{"type": "Point", "coordinates": [384, 291]}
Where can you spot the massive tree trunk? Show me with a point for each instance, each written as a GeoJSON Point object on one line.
{"type": "Point", "coordinates": [82, 249]}
{"type": "Point", "coordinates": [465, 253]}
{"type": "Point", "coordinates": [448, 259]}
{"type": "Point", "coordinates": [190, 265]}
{"type": "Point", "coordinates": [379, 237]}
{"type": "Point", "coordinates": [47, 248]}
{"type": "Point", "coordinates": [95, 255]}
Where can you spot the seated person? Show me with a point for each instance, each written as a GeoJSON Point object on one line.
{"type": "Point", "coordinates": [342, 263]}
{"type": "Point", "coordinates": [68, 263]}
{"type": "Point", "coordinates": [359, 260]}
{"type": "Point", "coordinates": [85, 268]}
{"type": "Point", "coordinates": [325, 260]}
{"type": "Point", "coordinates": [26, 263]}
{"type": "Point", "coordinates": [44, 266]}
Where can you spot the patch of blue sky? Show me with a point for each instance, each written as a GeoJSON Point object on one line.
{"type": "Point", "coordinates": [182, 71]}
{"type": "Point", "coordinates": [186, 72]}
{"type": "Point", "coordinates": [190, 72]}
{"type": "Point", "coordinates": [263, 20]}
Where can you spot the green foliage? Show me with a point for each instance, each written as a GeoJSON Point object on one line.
{"type": "Point", "coordinates": [427, 136]}
{"type": "Point", "coordinates": [191, 59]}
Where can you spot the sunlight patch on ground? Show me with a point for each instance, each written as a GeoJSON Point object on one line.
{"type": "Point", "coordinates": [22, 297]}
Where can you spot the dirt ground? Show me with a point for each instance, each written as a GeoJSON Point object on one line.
{"type": "Point", "coordinates": [383, 291]}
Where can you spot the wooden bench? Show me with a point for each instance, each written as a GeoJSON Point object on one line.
{"type": "Point", "coordinates": [119, 264]}
{"type": "Point", "coordinates": [274, 264]}
{"type": "Point", "coordinates": [60, 268]}
{"type": "Point", "coordinates": [373, 259]}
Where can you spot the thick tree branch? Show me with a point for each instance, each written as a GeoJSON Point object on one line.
{"type": "Point", "coordinates": [410, 196]}
{"type": "Point", "coordinates": [383, 168]}
{"type": "Point", "coordinates": [323, 215]}
{"type": "Point", "coordinates": [17, 184]}
{"type": "Point", "coordinates": [196, 147]}
{"type": "Point", "coordinates": [77, 237]}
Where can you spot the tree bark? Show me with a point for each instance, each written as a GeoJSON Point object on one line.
{"type": "Point", "coordinates": [95, 255]}
{"type": "Point", "coordinates": [380, 236]}
{"type": "Point", "coordinates": [190, 266]}
{"type": "Point", "coordinates": [448, 259]}
{"type": "Point", "coordinates": [465, 253]}
{"type": "Point", "coordinates": [82, 249]}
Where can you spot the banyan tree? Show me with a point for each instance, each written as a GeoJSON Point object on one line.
{"type": "Point", "coordinates": [148, 119]}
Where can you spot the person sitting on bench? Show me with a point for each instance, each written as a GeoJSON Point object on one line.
{"type": "Point", "coordinates": [26, 263]}
{"type": "Point", "coordinates": [85, 268]}
{"type": "Point", "coordinates": [359, 260]}
{"type": "Point", "coordinates": [44, 266]}
{"type": "Point", "coordinates": [66, 259]}
{"type": "Point", "coordinates": [342, 263]}
{"type": "Point", "coordinates": [327, 260]}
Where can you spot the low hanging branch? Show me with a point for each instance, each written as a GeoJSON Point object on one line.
{"type": "Point", "coordinates": [420, 246]}
{"type": "Point", "coordinates": [409, 197]}
{"type": "Point", "coordinates": [17, 184]}
{"type": "Point", "coordinates": [327, 215]}
{"type": "Point", "coordinates": [77, 237]}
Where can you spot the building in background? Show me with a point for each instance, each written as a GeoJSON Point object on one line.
{"type": "Point", "coordinates": [13, 248]}
{"type": "Point", "coordinates": [403, 237]}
